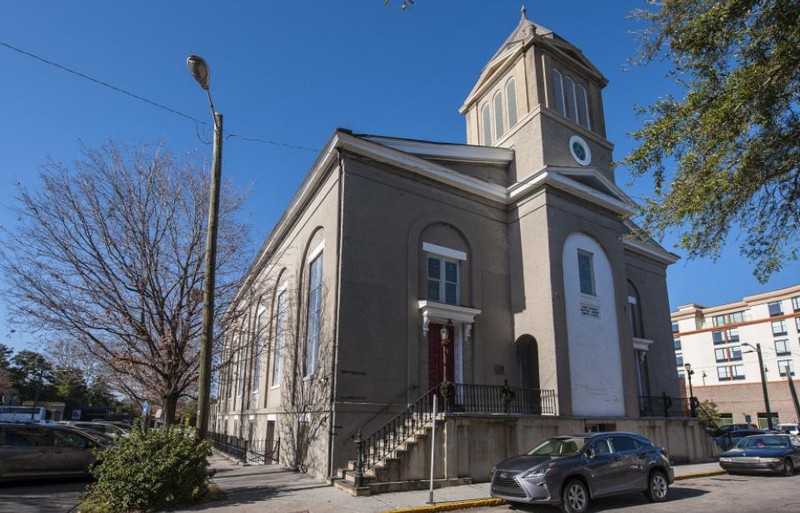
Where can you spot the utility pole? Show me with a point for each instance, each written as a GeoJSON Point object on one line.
{"type": "Point", "coordinates": [764, 389]}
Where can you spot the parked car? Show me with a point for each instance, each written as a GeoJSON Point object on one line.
{"type": "Point", "coordinates": [771, 453]}
{"type": "Point", "coordinates": [790, 428]}
{"type": "Point", "coordinates": [729, 439]}
{"type": "Point", "coordinates": [103, 427]}
{"type": "Point", "coordinates": [572, 469]}
{"type": "Point", "coordinates": [726, 428]}
{"type": "Point", "coordinates": [29, 451]}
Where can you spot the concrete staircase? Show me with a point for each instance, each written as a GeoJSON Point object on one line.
{"type": "Point", "coordinates": [406, 467]}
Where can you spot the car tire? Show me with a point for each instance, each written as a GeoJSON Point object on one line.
{"type": "Point", "coordinates": [788, 467]}
{"type": "Point", "coordinates": [657, 486]}
{"type": "Point", "coordinates": [574, 497]}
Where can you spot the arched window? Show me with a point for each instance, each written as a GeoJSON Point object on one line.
{"type": "Point", "coordinates": [570, 99]}
{"type": "Point", "coordinates": [511, 102]}
{"type": "Point", "coordinates": [558, 92]}
{"type": "Point", "coordinates": [486, 124]}
{"type": "Point", "coordinates": [582, 105]}
{"type": "Point", "coordinates": [280, 335]}
{"type": "Point", "coordinates": [635, 311]}
{"type": "Point", "coordinates": [499, 122]}
{"type": "Point", "coordinates": [314, 323]}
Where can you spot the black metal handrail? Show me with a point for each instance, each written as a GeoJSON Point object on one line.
{"type": "Point", "coordinates": [664, 406]}
{"type": "Point", "coordinates": [454, 398]}
{"type": "Point", "coordinates": [386, 439]}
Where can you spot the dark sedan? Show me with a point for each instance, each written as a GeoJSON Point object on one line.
{"type": "Point", "coordinates": [770, 453]}
{"type": "Point", "coordinates": [569, 470]}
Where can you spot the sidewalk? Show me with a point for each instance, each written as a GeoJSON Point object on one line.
{"type": "Point", "coordinates": [271, 488]}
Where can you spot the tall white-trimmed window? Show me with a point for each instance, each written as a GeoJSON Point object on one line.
{"type": "Point", "coordinates": [260, 345]}
{"type": "Point", "coordinates": [796, 304]}
{"type": "Point", "coordinates": [242, 364]}
{"type": "Point", "coordinates": [499, 121]}
{"type": "Point", "coordinates": [486, 123]}
{"type": "Point", "coordinates": [779, 327]}
{"type": "Point", "coordinates": [314, 314]}
{"type": "Point", "coordinates": [443, 273]}
{"type": "Point", "coordinates": [782, 347]}
{"type": "Point", "coordinates": [775, 308]}
{"type": "Point", "coordinates": [280, 338]}
{"type": "Point", "coordinates": [586, 273]}
{"type": "Point", "coordinates": [570, 99]}
{"type": "Point", "coordinates": [511, 102]}
{"type": "Point", "coordinates": [784, 365]}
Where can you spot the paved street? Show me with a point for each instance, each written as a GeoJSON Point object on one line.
{"type": "Point", "coordinates": [716, 494]}
{"type": "Point", "coordinates": [57, 497]}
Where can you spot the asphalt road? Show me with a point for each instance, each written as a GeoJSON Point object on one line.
{"type": "Point", "coordinates": [717, 494]}
{"type": "Point", "coordinates": [57, 496]}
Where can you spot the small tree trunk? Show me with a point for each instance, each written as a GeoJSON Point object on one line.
{"type": "Point", "coordinates": [170, 407]}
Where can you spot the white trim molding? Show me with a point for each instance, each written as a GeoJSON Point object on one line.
{"type": "Point", "coordinates": [443, 251]}
{"type": "Point", "coordinates": [444, 312]}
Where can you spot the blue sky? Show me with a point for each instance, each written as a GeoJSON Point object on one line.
{"type": "Point", "coordinates": [289, 73]}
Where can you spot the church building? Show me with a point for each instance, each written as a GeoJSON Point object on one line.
{"type": "Point", "coordinates": [502, 275]}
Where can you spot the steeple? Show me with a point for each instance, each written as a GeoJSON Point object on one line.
{"type": "Point", "coordinates": [537, 94]}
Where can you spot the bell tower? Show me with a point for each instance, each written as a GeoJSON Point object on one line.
{"type": "Point", "coordinates": [540, 95]}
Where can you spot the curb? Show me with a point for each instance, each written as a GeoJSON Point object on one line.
{"type": "Point", "coordinates": [700, 474]}
{"type": "Point", "coordinates": [450, 506]}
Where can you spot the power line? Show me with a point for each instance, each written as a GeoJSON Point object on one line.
{"type": "Point", "coordinates": [151, 102]}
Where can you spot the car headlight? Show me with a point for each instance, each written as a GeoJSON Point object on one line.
{"type": "Point", "coordinates": [724, 460]}
{"type": "Point", "coordinates": [535, 472]}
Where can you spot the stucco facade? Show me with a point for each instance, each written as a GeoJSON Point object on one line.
{"type": "Point", "coordinates": [402, 263]}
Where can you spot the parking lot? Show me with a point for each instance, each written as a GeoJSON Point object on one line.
{"type": "Point", "coordinates": [57, 496]}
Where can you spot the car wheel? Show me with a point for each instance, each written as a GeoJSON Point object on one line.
{"type": "Point", "coordinates": [657, 486]}
{"type": "Point", "coordinates": [788, 467]}
{"type": "Point", "coordinates": [574, 497]}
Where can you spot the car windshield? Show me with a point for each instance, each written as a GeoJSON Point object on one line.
{"type": "Point", "coordinates": [760, 442]}
{"type": "Point", "coordinates": [559, 446]}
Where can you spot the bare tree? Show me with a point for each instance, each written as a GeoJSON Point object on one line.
{"type": "Point", "coordinates": [108, 253]}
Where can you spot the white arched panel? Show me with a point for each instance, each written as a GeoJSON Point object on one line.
{"type": "Point", "coordinates": [595, 365]}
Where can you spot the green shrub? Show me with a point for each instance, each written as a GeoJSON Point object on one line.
{"type": "Point", "coordinates": [150, 470]}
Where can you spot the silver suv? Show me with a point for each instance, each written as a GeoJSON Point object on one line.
{"type": "Point", "coordinates": [569, 470]}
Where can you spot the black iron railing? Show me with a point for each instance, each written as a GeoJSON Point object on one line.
{"type": "Point", "coordinates": [664, 406]}
{"type": "Point", "coordinates": [453, 399]}
{"type": "Point", "coordinates": [256, 452]}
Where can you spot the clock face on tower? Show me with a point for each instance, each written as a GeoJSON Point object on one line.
{"type": "Point", "coordinates": [580, 150]}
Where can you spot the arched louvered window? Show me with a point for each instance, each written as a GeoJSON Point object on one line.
{"type": "Point", "coordinates": [486, 124]}
{"type": "Point", "coordinates": [558, 92]}
{"type": "Point", "coordinates": [499, 121]}
{"type": "Point", "coordinates": [569, 98]}
{"type": "Point", "coordinates": [511, 102]}
{"type": "Point", "coordinates": [582, 105]}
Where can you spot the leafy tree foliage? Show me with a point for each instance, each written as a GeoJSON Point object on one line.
{"type": "Point", "coordinates": [734, 136]}
{"type": "Point", "coordinates": [108, 254]}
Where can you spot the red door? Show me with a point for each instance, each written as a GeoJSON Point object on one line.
{"type": "Point", "coordinates": [436, 352]}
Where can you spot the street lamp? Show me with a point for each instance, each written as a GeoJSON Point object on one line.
{"type": "Point", "coordinates": [757, 349]}
{"type": "Point", "coordinates": [200, 71]}
{"type": "Point", "coordinates": [689, 372]}
{"type": "Point", "coordinates": [444, 336]}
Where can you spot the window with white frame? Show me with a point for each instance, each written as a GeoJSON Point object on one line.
{"type": "Point", "coordinates": [779, 327]}
{"type": "Point", "coordinates": [260, 341]}
{"type": "Point", "coordinates": [737, 371]}
{"type": "Point", "coordinates": [775, 309]}
{"type": "Point", "coordinates": [733, 334]}
{"type": "Point", "coordinates": [280, 337]}
{"type": "Point", "coordinates": [242, 365]}
{"type": "Point", "coordinates": [499, 118]}
{"type": "Point", "coordinates": [443, 280]}
{"type": "Point", "coordinates": [675, 328]}
{"type": "Point", "coordinates": [511, 102]}
{"type": "Point", "coordinates": [782, 347]}
{"type": "Point", "coordinates": [571, 100]}
{"type": "Point", "coordinates": [796, 305]}
{"type": "Point", "coordinates": [724, 373]}
{"type": "Point", "coordinates": [586, 273]}
{"type": "Point", "coordinates": [314, 315]}
{"type": "Point", "coordinates": [783, 365]}
{"type": "Point", "coordinates": [736, 353]}
{"type": "Point", "coordinates": [677, 343]}
{"type": "Point", "coordinates": [721, 354]}
{"type": "Point", "coordinates": [717, 337]}
{"type": "Point", "coordinates": [719, 320]}
{"type": "Point", "coordinates": [797, 323]}
{"type": "Point", "coordinates": [737, 317]}
{"type": "Point", "coordinates": [486, 123]}
{"type": "Point", "coordinates": [679, 360]}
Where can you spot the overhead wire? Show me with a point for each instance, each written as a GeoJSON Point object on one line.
{"type": "Point", "coordinates": [152, 103]}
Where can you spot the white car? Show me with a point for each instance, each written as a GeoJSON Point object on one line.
{"type": "Point", "coordinates": [791, 428]}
